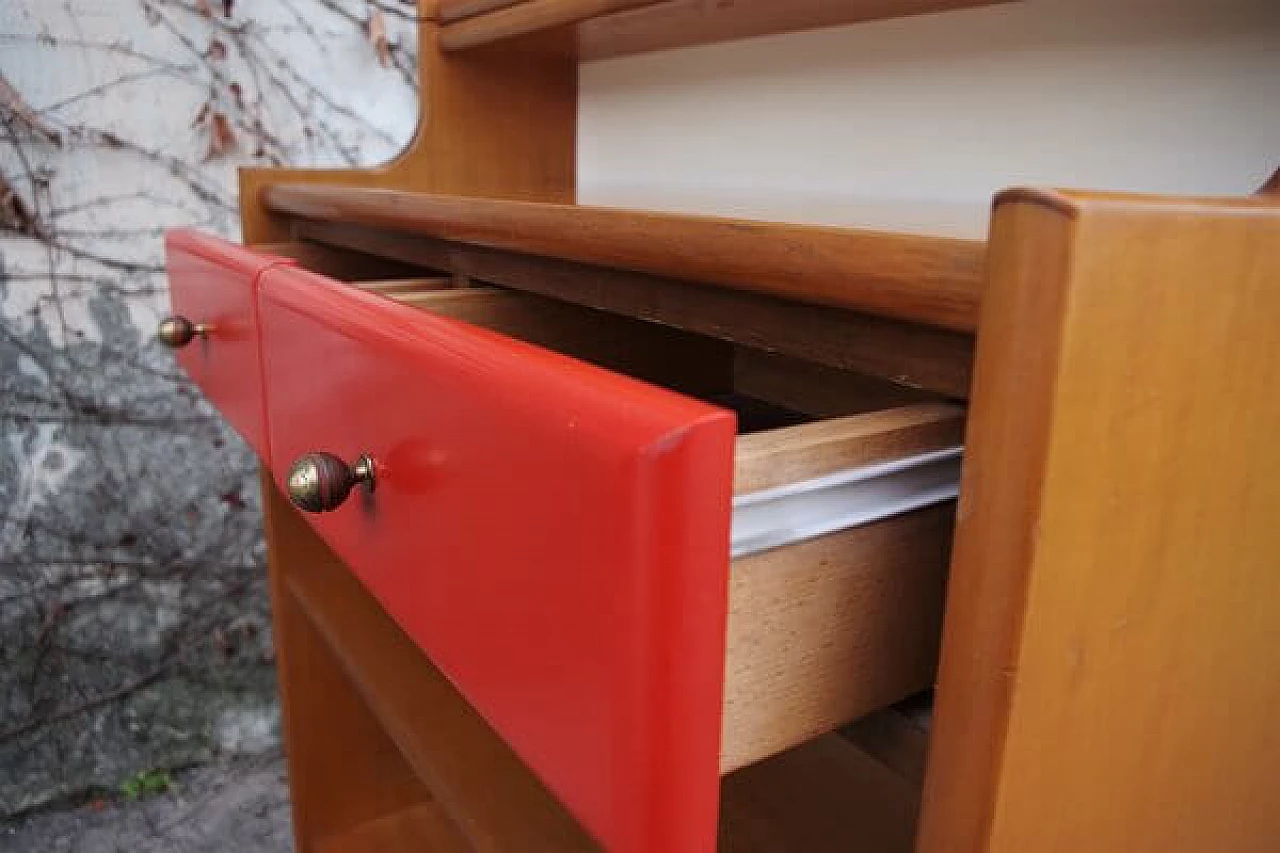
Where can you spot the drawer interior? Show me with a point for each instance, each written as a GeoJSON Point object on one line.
{"type": "Point", "coordinates": [766, 389]}
{"type": "Point", "coordinates": [821, 632]}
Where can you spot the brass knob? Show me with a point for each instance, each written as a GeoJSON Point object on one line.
{"type": "Point", "coordinates": [320, 482]}
{"type": "Point", "coordinates": [178, 331]}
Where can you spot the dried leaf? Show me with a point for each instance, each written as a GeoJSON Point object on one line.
{"type": "Point", "coordinates": [237, 92]}
{"type": "Point", "coordinates": [1272, 186]}
{"type": "Point", "coordinates": [203, 7]}
{"type": "Point", "coordinates": [233, 499]}
{"type": "Point", "coordinates": [13, 104]}
{"type": "Point", "coordinates": [222, 138]}
{"type": "Point", "coordinates": [217, 50]}
{"type": "Point", "coordinates": [377, 30]}
{"type": "Point", "coordinates": [222, 642]}
{"type": "Point", "coordinates": [14, 213]}
{"type": "Point", "coordinates": [202, 115]}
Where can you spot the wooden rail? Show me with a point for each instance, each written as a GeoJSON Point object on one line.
{"type": "Point", "coordinates": [528, 17]}
{"type": "Point", "coordinates": [456, 10]}
{"type": "Point", "coordinates": [930, 280]}
{"type": "Point", "coordinates": [619, 27]}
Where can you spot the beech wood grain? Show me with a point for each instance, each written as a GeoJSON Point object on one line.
{"type": "Point", "coordinates": [930, 280]}
{"type": "Point", "coordinates": [609, 28]}
{"type": "Point", "coordinates": [1110, 664]}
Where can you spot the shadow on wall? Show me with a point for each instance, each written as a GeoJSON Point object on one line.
{"type": "Point", "coordinates": [134, 626]}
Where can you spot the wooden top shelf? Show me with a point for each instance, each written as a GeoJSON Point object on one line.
{"type": "Point", "coordinates": [935, 281]}
{"type": "Point", "coordinates": [608, 28]}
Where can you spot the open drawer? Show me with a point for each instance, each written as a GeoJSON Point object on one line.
{"type": "Point", "coordinates": [559, 533]}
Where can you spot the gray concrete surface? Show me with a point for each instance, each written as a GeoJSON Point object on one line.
{"type": "Point", "coordinates": [231, 806]}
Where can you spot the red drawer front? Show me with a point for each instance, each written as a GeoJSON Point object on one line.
{"type": "Point", "coordinates": [554, 536]}
{"type": "Point", "coordinates": [212, 281]}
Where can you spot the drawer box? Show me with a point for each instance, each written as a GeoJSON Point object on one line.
{"type": "Point", "coordinates": [212, 284]}
{"type": "Point", "coordinates": [555, 536]}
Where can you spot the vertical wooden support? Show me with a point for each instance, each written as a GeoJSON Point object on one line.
{"type": "Point", "coordinates": [1111, 657]}
{"type": "Point", "coordinates": [343, 769]}
{"type": "Point", "coordinates": [498, 122]}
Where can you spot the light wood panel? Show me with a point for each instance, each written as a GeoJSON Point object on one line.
{"type": "Point", "coordinates": [827, 630]}
{"type": "Point", "coordinates": [824, 631]}
{"type": "Point", "coordinates": [931, 280]}
{"type": "Point", "coordinates": [776, 457]}
{"type": "Point", "coordinates": [1111, 661]}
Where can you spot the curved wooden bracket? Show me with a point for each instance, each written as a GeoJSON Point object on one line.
{"type": "Point", "coordinates": [1272, 186]}
{"type": "Point", "coordinates": [493, 123]}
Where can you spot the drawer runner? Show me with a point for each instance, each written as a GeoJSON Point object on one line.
{"type": "Point", "coordinates": [795, 512]}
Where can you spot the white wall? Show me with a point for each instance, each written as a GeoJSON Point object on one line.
{"type": "Point", "coordinates": [914, 123]}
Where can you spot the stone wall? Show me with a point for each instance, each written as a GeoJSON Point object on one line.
{"type": "Point", "coordinates": [134, 625]}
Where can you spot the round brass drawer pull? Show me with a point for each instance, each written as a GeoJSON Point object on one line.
{"type": "Point", "coordinates": [320, 482]}
{"type": "Point", "coordinates": [178, 331]}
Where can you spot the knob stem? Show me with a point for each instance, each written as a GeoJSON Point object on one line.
{"type": "Point", "coordinates": [177, 331]}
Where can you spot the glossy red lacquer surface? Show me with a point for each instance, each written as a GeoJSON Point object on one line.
{"type": "Point", "coordinates": [212, 281]}
{"type": "Point", "coordinates": [554, 536]}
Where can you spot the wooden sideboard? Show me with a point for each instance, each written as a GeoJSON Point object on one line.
{"type": "Point", "coordinates": [523, 598]}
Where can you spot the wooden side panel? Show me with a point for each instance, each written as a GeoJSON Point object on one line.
{"type": "Point", "coordinates": [823, 631]}
{"type": "Point", "coordinates": [1111, 661]}
{"type": "Point", "coordinates": [343, 769]}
